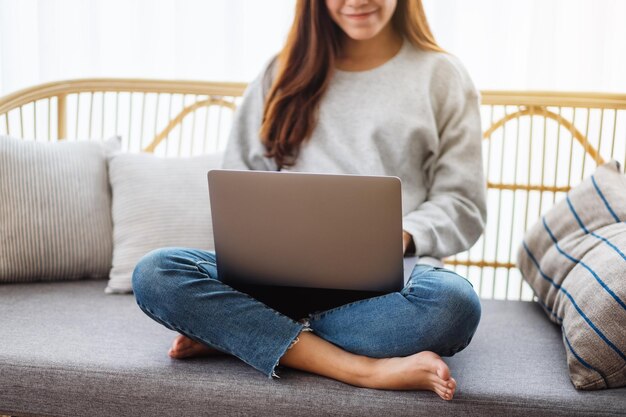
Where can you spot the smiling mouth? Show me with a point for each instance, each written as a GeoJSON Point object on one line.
{"type": "Point", "coordinates": [360, 15]}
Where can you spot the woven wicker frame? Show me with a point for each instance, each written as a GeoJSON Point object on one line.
{"type": "Point", "coordinates": [537, 146]}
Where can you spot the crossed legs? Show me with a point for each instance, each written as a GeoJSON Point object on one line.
{"type": "Point", "coordinates": [347, 343]}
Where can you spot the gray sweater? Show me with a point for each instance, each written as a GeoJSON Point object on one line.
{"type": "Point", "coordinates": [416, 117]}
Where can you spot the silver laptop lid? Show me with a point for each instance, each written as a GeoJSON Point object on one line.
{"type": "Point", "coordinates": [308, 230]}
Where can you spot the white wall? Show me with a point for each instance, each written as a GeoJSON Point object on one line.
{"type": "Point", "coordinates": [505, 44]}
{"type": "Point", "coordinates": [536, 44]}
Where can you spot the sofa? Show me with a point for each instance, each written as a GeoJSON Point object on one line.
{"type": "Point", "coordinates": [68, 348]}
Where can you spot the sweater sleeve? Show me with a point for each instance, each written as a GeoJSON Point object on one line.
{"type": "Point", "coordinates": [453, 216]}
{"type": "Point", "coordinates": [244, 149]}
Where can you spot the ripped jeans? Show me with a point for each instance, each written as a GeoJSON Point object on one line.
{"type": "Point", "coordinates": [437, 310]}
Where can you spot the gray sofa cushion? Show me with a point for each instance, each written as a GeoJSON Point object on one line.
{"type": "Point", "coordinates": [80, 352]}
{"type": "Point", "coordinates": [157, 202]}
{"type": "Point", "coordinates": [55, 209]}
{"type": "Point", "coordinates": [574, 261]}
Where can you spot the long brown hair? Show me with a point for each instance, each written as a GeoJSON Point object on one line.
{"type": "Point", "coordinates": [305, 68]}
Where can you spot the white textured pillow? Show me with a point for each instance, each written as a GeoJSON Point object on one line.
{"type": "Point", "coordinates": [55, 210]}
{"type": "Point", "coordinates": [157, 202]}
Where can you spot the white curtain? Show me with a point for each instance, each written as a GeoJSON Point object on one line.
{"type": "Point", "coordinates": [577, 45]}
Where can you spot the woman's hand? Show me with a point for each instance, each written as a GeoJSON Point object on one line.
{"type": "Point", "coordinates": [406, 241]}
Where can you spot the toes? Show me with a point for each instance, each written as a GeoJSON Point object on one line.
{"type": "Point", "coordinates": [443, 372]}
{"type": "Point", "coordinates": [452, 389]}
{"type": "Point", "coordinates": [445, 389]}
{"type": "Point", "coordinates": [184, 341]}
{"type": "Point", "coordinates": [442, 386]}
{"type": "Point", "coordinates": [188, 347]}
{"type": "Point", "coordinates": [178, 343]}
{"type": "Point", "coordinates": [442, 389]}
{"type": "Point", "coordinates": [173, 353]}
{"type": "Point", "coordinates": [443, 393]}
{"type": "Point", "coordinates": [180, 349]}
{"type": "Point", "coordinates": [451, 383]}
{"type": "Point", "coordinates": [177, 349]}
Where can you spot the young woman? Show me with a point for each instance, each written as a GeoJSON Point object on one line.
{"type": "Point", "coordinates": [360, 87]}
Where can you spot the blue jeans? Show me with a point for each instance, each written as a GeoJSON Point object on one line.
{"type": "Point", "coordinates": [437, 310]}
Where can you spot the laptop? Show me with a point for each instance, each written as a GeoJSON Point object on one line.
{"type": "Point", "coordinates": [308, 242]}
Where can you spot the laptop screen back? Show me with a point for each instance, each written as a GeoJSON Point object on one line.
{"type": "Point", "coordinates": [308, 230]}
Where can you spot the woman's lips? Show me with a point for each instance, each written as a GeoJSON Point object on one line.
{"type": "Point", "coordinates": [360, 16]}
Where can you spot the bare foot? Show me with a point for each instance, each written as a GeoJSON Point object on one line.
{"type": "Point", "coordinates": [422, 371]}
{"type": "Point", "coordinates": [184, 347]}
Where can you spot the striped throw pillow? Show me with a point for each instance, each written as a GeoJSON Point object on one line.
{"type": "Point", "coordinates": [574, 259]}
{"type": "Point", "coordinates": [157, 202]}
{"type": "Point", "coordinates": [55, 210]}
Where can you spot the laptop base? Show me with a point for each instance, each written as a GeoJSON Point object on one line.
{"type": "Point", "coordinates": [298, 302]}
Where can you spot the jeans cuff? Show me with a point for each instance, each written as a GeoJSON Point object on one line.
{"type": "Point", "coordinates": [292, 341]}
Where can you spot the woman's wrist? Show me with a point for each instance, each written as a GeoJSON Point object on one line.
{"type": "Point", "coordinates": [407, 242]}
